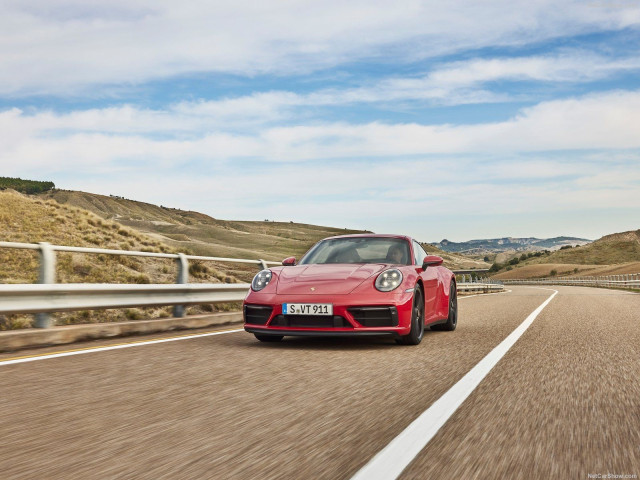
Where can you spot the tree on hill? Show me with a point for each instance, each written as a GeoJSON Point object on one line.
{"type": "Point", "coordinates": [29, 187]}
{"type": "Point", "coordinates": [495, 267]}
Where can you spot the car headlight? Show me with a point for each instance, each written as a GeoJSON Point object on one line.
{"type": "Point", "coordinates": [261, 280]}
{"type": "Point", "coordinates": [389, 280]}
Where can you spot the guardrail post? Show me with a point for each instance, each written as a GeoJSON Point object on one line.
{"type": "Point", "coordinates": [183, 277]}
{"type": "Point", "coordinates": [46, 274]}
{"type": "Point", "coordinates": [263, 263]}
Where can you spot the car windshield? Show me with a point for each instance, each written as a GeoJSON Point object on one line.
{"type": "Point", "coordinates": [359, 250]}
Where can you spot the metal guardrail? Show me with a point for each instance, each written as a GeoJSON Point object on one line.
{"type": "Point", "coordinates": [87, 296]}
{"type": "Point", "coordinates": [470, 270]}
{"type": "Point", "coordinates": [44, 246]}
{"type": "Point", "coordinates": [621, 281]}
{"type": "Point", "coordinates": [480, 287]}
{"type": "Point", "coordinates": [42, 298]}
{"type": "Point", "coordinates": [47, 296]}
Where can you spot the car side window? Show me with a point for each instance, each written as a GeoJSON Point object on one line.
{"type": "Point", "coordinates": [417, 260]}
{"type": "Point", "coordinates": [418, 253]}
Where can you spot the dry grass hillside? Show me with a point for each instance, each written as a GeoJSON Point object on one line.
{"type": "Point", "coordinates": [614, 254]}
{"type": "Point", "coordinates": [32, 219]}
{"type": "Point", "coordinates": [544, 270]}
{"type": "Point", "coordinates": [202, 234]}
{"type": "Point", "coordinates": [205, 235]}
{"type": "Point", "coordinates": [609, 250]}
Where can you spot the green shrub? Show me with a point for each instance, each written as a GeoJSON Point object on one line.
{"type": "Point", "coordinates": [197, 269]}
{"type": "Point", "coordinates": [133, 314]}
{"type": "Point", "coordinates": [30, 187]}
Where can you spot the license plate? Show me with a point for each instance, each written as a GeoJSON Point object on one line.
{"type": "Point", "coordinates": [307, 309]}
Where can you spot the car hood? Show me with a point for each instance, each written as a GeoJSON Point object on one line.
{"type": "Point", "coordinates": [333, 279]}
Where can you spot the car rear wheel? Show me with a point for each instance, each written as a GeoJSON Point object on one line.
{"type": "Point", "coordinates": [269, 338]}
{"type": "Point", "coordinates": [417, 321]}
{"type": "Point", "coordinates": [452, 319]}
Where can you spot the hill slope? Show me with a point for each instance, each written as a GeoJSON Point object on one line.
{"type": "Point", "coordinates": [618, 253]}
{"type": "Point", "coordinates": [610, 249]}
{"type": "Point", "coordinates": [544, 270]}
{"type": "Point", "coordinates": [201, 233]}
{"type": "Point", "coordinates": [205, 235]}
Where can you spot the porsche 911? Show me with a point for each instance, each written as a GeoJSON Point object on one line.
{"type": "Point", "coordinates": [354, 285]}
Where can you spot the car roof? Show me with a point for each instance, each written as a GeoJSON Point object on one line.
{"type": "Point", "coordinates": [374, 235]}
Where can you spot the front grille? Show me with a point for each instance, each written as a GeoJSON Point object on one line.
{"type": "Point", "coordinates": [375, 316]}
{"type": "Point", "coordinates": [310, 321]}
{"type": "Point", "coordinates": [257, 314]}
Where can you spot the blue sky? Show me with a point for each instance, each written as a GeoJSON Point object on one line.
{"type": "Point", "coordinates": [453, 120]}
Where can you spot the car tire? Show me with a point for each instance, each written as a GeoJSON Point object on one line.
{"type": "Point", "coordinates": [417, 321]}
{"type": "Point", "coordinates": [452, 320]}
{"type": "Point", "coordinates": [269, 338]}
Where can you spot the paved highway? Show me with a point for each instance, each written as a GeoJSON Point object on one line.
{"type": "Point", "coordinates": [563, 402]}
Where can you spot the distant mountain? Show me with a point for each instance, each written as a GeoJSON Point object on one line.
{"type": "Point", "coordinates": [497, 245]}
{"type": "Point", "coordinates": [456, 261]}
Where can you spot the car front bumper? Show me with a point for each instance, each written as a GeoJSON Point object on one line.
{"type": "Point", "coordinates": [389, 314]}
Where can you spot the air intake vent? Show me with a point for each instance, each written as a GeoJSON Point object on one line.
{"type": "Point", "coordinates": [257, 314]}
{"type": "Point", "coordinates": [375, 316]}
{"type": "Point", "coordinates": [310, 321]}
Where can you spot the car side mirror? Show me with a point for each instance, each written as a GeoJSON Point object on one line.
{"type": "Point", "coordinates": [289, 262]}
{"type": "Point", "coordinates": [431, 261]}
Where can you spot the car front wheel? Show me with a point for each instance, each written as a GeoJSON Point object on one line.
{"type": "Point", "coordinates": [452, 319]}
{"type": "Point", "coordinates": [417, 321]}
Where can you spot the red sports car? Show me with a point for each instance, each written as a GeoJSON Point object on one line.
{"type": "Point", "coordinates": [354, 285]}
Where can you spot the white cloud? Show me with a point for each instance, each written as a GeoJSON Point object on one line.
{"type": "Point", "coordinates": [449, 83]}
{"type": "Point", "coordinates": [567, 66]}
{"type": "Point", "coordinates": [599, 121]}
{"type": "Point", "coordinates": [66, 47]}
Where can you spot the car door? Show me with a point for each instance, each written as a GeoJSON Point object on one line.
{"type": "Point", "coordinates": [430, 281]}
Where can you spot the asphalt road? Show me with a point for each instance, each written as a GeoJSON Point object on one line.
{"type": "Point", "coordinates": [564, 402]}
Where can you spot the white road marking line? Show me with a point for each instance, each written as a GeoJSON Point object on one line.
{"type": "Point", "coordinates": [390, 462]}
{"type": "Point", "coordinates": [482, 294]}
{"type": "Point", "coordinates": [112, 347]}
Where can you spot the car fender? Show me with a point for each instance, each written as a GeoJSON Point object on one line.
{"type": "Point", "coordinates": [445, 279]}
